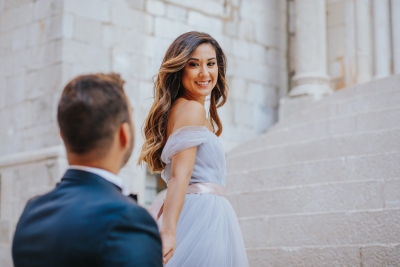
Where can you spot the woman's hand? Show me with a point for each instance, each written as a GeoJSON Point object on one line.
{"type": "Point", "coordinates": [168, 246]}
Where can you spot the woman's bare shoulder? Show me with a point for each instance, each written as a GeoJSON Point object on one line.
{"type": "Point", "coordinates": [186, 113]}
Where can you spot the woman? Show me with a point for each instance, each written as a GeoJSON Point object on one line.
{"type": "Point", "coordinates": [198, 225]}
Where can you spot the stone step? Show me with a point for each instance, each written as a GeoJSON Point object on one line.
{"type": "Point", "coordinates": [364, 97]}
{"type": "Point", "coordinates": [363, 103]}
{"type": "Point", "coordinates": [326, 256]}
{"type": "Point", "coordinates": [341, 169]}
{"type": "Point", "coordinates": [360, 195]}
{"type": "Point", "coordinates": [322, 229]}
{"type": "Point", "coordinates": [356, 123]}
{"type": "Point", "coordinates": [332, 147]}
{"type": "Point", "coordinates": [378, 86]}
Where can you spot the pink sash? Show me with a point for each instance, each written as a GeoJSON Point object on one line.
{"type": "Point", "coordinates": [157, 208]}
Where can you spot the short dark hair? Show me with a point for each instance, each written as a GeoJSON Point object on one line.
{"type": "Point", "coordinates": [90, 110]}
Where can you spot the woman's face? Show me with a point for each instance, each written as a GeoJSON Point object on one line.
{"type": "Point", "coordinates": [200, 73]}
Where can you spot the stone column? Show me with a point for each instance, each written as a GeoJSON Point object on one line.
{"type": "Point", "coordinates": [363, 41]}
{"type": "Point", "coordinates": [395, 8]}
{"type": "Point", "coordinates": [382, 47]}
{"type": "Point", "coordinates": [311, 43]}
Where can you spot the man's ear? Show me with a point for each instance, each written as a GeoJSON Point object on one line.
{"type": "Point", "coordinates": [125, 134]}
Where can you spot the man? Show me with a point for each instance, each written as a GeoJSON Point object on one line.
{"type": "Point", "coordinates": [87, 220]}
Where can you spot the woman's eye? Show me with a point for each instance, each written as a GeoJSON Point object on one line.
{"type": "Point", "coordinates": [193, 64]}
{"type": "Point", "coordinates": [211, 63]}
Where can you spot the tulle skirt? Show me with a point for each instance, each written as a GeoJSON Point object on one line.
{"type": "Point", "coordinates": [208, 234]}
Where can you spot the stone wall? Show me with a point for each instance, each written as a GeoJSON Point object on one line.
{"type": "Point", "coordinates": [45, 43]}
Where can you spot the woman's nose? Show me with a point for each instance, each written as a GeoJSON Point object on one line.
{"type": "Point", "coordinates": [203, 71]}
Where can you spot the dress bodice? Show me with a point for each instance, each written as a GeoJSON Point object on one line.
{"type": "Point", "coordinates": [210, 165]}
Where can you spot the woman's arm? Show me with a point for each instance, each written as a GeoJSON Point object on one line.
{"type": "Point", "coordinates": [181, 171]}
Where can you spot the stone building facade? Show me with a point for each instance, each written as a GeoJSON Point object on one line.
{"type": "Point", "coordinates": [283, 55]}
{"type": "Point", "coordinates": [45, 43]}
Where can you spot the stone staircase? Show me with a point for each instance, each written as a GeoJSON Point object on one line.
{"type": "Point", "coordinates": [322, 187]}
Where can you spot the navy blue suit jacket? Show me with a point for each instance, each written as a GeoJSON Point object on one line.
{"type": "Point", "coordinates": [85, 221]}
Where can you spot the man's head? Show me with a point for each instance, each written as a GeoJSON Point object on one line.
{"type": "Point", "coordinates": [94, 116]}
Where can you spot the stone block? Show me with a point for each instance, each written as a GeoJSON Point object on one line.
{"type": "Point", "coordinates": [135, 20]}
{"type": "Point", "coordinates": [261, 94]}
{"type": "Point", "coordinates": [15, 86]}
{"type": "Point", "coordinates": [267, 36]}
{"type": "Point", "coordinates": [237, 88]}
{"type": "Point", "coordinates": [245, 69]}
{"type": "Point", "coordinates": [88, 30]}
{"type": "Point", "coordinates": [258, 53]}
{"type": "Point", "coordinates": [43, 81]}
{"type": "Point", "coordinates": [5, 255]}
{"type": "Point", "coordinates": [44, 55]}
{"type": "Point", "coordinates": [121, 62]}
{"type": "Point", "coordinates": [326, 229]}
{"type": "Point", "coordinates": [230, 29]}
{"type": "Point", "coordinates": [246, 30]}
{"type": "Point", "coordinates": [310, 199]}
{"type": "Point", "coordinates": [11, 141]}
{"type": "Point", "coordinates": [176, 13]}
{"type": "Point", "coordinates": [145, 68]}
{"type": "Point", "coordinates": [226, 113]}
{"type": "Point", "coordinates": [20, 38]}
{"type": "Point", "coordinates": [2, 94]}
{"type": "Point", "coordinates": [138, 4]}
{"type": "Point", "coordinates": [208, 7]}
{"type": "Point", "coordinates": [391, 192]}
{"type": "Point", "coordinates": [24, 14]}
{"type": "Point", "coordinates": [40, 110]}
{"type": "Point", "coordinates": [226, 44]}
{"type": "Point", "coordinates": [263, 117]}
{"type": "Point", "coordinates": [40, 136]}
{"type": "Point", "coordinates": [149, 46]}
{"type": "Point", "coordinates": [42, 9]}
{"type": "Point", "coordinates": [205, 23]}
{"type": "Point", "coordinates": [8, 20]}
{"type": "Point", "coordinates": [43, 31]}
{"type": "Point", "coordinates": [68, 21]}
{"type": "Point", "coordinates": [345, 256]}
{"type": "Point", "coordinates": [5, 232]}
{"type": "Point", "coordinates": [123, 16]}
{"type": "Point", "coordinates": [241, 49]}
{"type": "Point", "coordinates": [242, 113]}
{"type": "Point", "coordinates": [14, 63]}
{"type": "Point", "coordinates": [112, 36]}
{"type": "Point", "coordinates": [156, 7]}
{"type": "Point", "coordinates": [7, 195]}
{"type": "Point", "coordinates": [94, 57]}
{"type": "Point", "coordinates": [6, 40]}
{"type": "Point", "coordinates": [92, 9]}
{"type": "Point", "coordinates": [169, 29]}
{"type": "Point", "coordinates": [380, 255]}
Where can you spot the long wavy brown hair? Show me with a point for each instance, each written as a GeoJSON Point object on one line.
{"type": "Point", "coordinates": [168, 87]}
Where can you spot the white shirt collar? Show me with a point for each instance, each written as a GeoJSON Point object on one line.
{"type": "Point", "coordinates": [112, 178]}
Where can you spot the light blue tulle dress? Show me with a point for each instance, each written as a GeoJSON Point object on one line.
{"type": "Point", "coordinates": [208, 232]}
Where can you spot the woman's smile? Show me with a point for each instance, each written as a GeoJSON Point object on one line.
{"type": "Point", "coordinates": [203, 83]}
